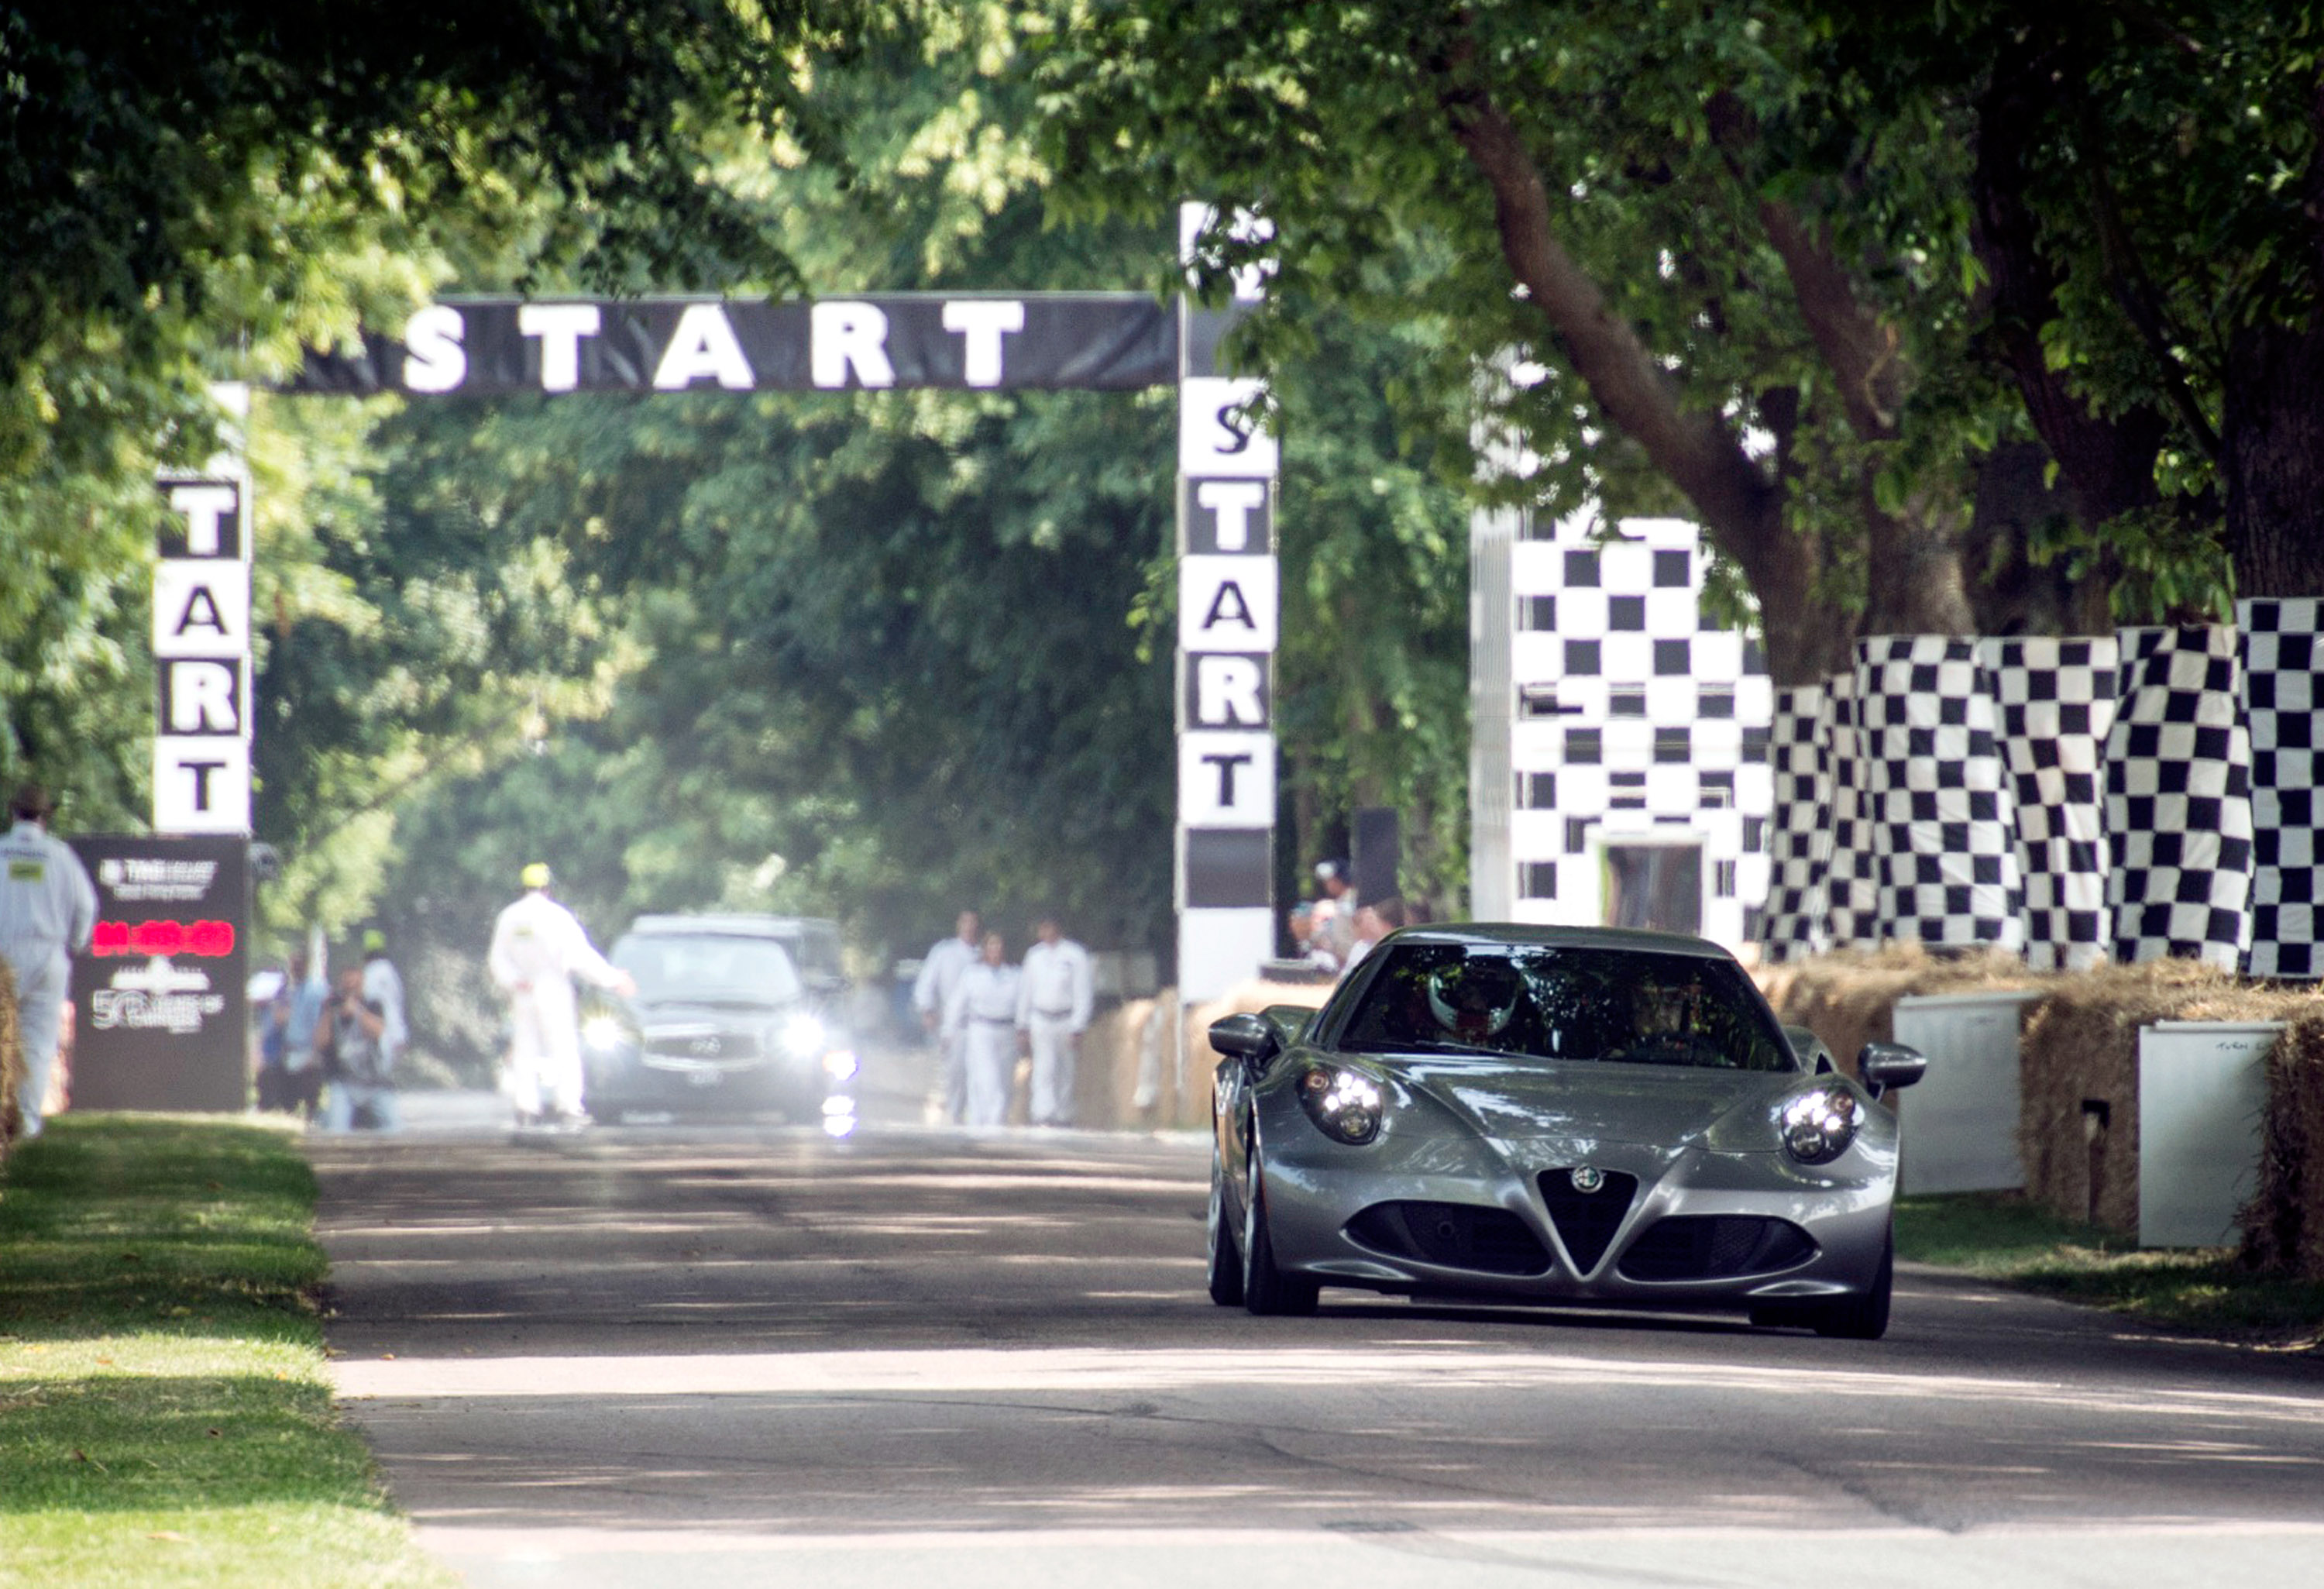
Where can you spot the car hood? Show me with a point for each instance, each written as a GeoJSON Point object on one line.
{"type": "Point", "coordinates": [1585, 1101]}
{"type": "Point", "coordinates": [727, 1012]}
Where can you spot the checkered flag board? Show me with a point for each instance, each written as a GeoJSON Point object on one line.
{"type": "Point", "coordinates": [1937, 797]}
{"type": "Point", "coordinates": [1852, 882]}
{"type": "Point", "coordinates": [2178, 801]}
{"type": "Point", "coordinates": [2056, 700]}
{"type": "Point", "coordinates": [1799, 832]}
{"type": "Point", "coordinates": [2283, 656]}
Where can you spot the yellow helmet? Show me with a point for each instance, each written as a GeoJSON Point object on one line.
{"type": "Point", "coordinates": [536, 875]}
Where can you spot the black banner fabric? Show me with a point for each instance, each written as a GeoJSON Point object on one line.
{"type": "Point", "coordinates": [1094, 341]}
{"type": "Point", "coordinates": [160, 1001]}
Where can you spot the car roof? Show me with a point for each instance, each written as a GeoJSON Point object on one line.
{"type": "Point", "coordinates": [713, 924]}
{"type": "Point", "coordinates": [1526, 935]}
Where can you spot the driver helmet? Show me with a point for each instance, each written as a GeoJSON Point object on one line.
{"type": "Point", "coordinates": [1476, 997]}
{"type": "Point", "coordinates": [1662, 1009]}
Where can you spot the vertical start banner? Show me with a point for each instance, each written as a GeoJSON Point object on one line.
{"type": "Point", "coordinates": [160, 1001]}
{"type": "Point", "coordinates": [201, 658]}
{"type": "Point", "coordinates": [1229, 602]}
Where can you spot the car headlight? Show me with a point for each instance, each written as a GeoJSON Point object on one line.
{"type": "Point", "coordinates": [1344, 1104]}
{"type": "Point", "coordinates": [1818, 1126]}
{"type": "Point", "coordinates": [603, 1032]}
{"type": "Point", "coordinates": [803, 1037]}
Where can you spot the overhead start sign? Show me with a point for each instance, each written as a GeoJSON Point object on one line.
{"type": "Point", "coordinates": [1228, 594]}
{"type": "Point", "coordinates": [496, 346]}
{"type": "Point", "coordinates": [201, 658]}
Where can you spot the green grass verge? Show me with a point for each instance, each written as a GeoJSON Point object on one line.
{"type": "Point", "coordinates": [2002, 1236]}
{"type": "Point", "coordinates": [165, 1417]}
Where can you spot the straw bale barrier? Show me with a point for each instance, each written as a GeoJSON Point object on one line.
{"type": "Point", "coordinates": [2283, 1225]}
{"type": "Point", "coordinates": [1131, 1074]}
{"type": "Point", "coordinates": [1848, 999]}
{"type": "Point", "coordinates": [2079, 1071]}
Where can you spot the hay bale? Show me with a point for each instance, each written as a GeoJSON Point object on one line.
{"type": "Point", "coordinates": [2283, 1223]}
{"type": "Point", "coordinates": [2079, 1075]}
{"type": "Point", "coordinates": [1105, 1083]}
{"type": "Point", "coordinates": [1193, 1095]}
{"type": "Point", "coordinates": [1848, 999]}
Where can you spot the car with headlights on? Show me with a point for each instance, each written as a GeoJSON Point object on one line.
{"type": "Point", "coordinates": [1555, 1116]}
{"type": "Point", "coordinates": [725, 1019]}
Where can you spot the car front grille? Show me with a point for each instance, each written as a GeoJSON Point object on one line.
{"type": "Point", "coordinates": [1716, 1247]}
{"type": "Point", "coordinates": [1586, 1221]}
{"type": "Point", "coordinates": [689, 1046]}
{"type": "Point", "coordinates": [1452, 1236]}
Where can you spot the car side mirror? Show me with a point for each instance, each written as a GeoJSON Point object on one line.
{"type": "Point", "coordinates": [1890, 1065]}
{"type": "Point", "coordinates": [1290, 1020]}
{"type": "Point", "coordinates": [1811, 1050]}
{"type": "Point", "coordinates": [1251, 1039]}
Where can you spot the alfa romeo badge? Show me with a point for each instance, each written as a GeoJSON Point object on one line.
{"type": "Point", "coordinates": [1588, 1177]}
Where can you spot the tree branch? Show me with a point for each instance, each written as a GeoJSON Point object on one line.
{"type": "Point", "coordinates": [1702, 457]}
{"type": "Point", "coordinates": [2108, 463]}
{"type": "Point", "coordinates": [2133, 290]}
{"type": "Point", "coordinates": [1862, 348]}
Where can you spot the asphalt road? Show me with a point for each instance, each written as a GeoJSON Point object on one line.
{"type": "Point", "coordinates": [749, 1354]}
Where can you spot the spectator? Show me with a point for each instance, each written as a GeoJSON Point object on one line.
{"type": "Point", "coordinates": [940, 971]}
{"type": "Point", "coordinates": [1054, 999]}
{"type": "Point", "coordinates": [354, 1040]}
{"type": "Point", "coordinates": [48, 909]}
{"type": "Point", "coordinates": [982, 1011]}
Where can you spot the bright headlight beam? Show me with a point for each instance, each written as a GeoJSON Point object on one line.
{"type": "Point", "coordinates": [803, 1035]}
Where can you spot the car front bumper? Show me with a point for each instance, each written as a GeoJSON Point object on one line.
{"type": "Point", "coordinates": [1315, 1190]}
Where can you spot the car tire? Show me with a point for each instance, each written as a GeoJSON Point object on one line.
{"type": "Point", "coordinates": [1267, 1289]}
{"type": "Point", "coordinates": [1863, 1318]}
{"type": "Point", "coordinates": [1225, 1255]}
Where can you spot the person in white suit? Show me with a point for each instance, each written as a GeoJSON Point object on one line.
{"type": "Point", "coordinates": [982, 1013]}
{"type": "Point", "coordinates": [48, 908]}
{"type": "Point", "coordinates": [1054, 1000]}
{"type": "Point", "coordinates": [539, 948]}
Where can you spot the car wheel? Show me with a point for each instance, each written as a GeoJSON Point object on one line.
{"type": "Point", "coordinates": [1267, 1289]}
{"type": "Point", "coordinates": [1865, 1317]}
{"type": "Point", "coordinates": [1226, 1257]}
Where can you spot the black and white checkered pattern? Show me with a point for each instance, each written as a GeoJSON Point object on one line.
{"type": "Point", "coordinates": [2178, 799]}
{"type": "Point", "coordinates": [2056, 699]}
{"type": "Point", "coordinates": [1938, 802]}
{"type": "Point", "coordinates": [1800, 833]}
{"type": "Point", "coordinates": [2282, 655]}
{"type": "Point", "coordinates": [1653, 720]}
{"type": "Point", "coordinates": [1852, 883]}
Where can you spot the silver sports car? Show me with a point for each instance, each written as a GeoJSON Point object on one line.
{"type": "Point", "coordinates": [1554, 1115]}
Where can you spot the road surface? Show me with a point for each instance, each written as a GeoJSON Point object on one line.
{"type": "Point", "coordinates": [742, 1353]}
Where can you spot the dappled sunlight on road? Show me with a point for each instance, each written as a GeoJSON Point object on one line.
{"type": "Point", "coordinates": [946, 1354]}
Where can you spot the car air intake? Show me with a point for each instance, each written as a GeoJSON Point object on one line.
{"type": "Point", "coordinates": [1452, 1236]}
{"type": "Point", "coordinates": [1586, 1220]}
{"type": "Point", "coordinates": [1716, 1247]}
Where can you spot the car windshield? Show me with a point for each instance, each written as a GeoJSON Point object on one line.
{"type": "Point", "coordinates": [703, 966]}
{"type": "Point", "coordinates": [1622, 1006]}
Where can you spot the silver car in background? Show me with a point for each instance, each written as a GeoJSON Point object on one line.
{"type": "Point", "coordinates": [1556, 1116]}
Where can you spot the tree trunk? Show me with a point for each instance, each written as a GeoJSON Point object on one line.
{"type": "Point", "coordinates": [2272, 461]}
{"type": "Point", "coordinates": [1915, 583]}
